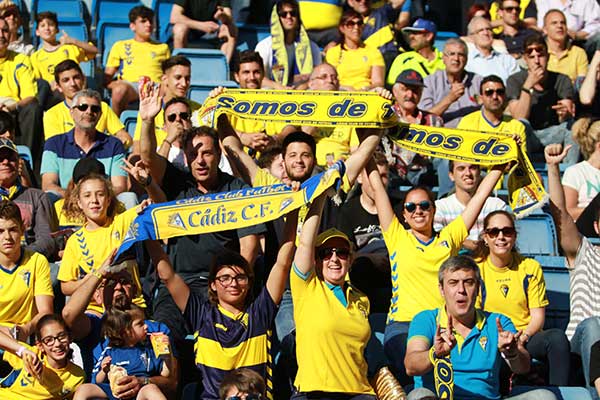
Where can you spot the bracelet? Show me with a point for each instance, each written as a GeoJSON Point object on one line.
{"type": "Point", "coordinates": [97, 274]}
{"type": "Point", "coordinates": [170, 143]}
{"type": "Point", "coordinates": [20, 351]}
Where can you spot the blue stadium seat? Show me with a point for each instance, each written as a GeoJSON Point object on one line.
{"type": "Point", "coordinates": [75, 29]}
{"type": "Point", "coordinates": [537, 235]}
{"type": "Point", "coordinates": [112, 10]}
{"type": "Point", "coordinates": [25, 154]}
{"type": "Point", "coordinates": [129, 119]}
{"type": "Point", "coordinates": [207, 65]}
{"type": "Point", "coordinates": [249, 35]}
{"type": "Point", "coordinates": [108, 32]}
{"type": "Point", "coordinates": [66, 10]}
{"type": "Point", "coordinates": [162, 8]}
{"type": "Point", "coordinates": [556, 276]}
{"type": "Point", "coordinates": [441, 37]}
{"type": "Point", "coordinates": [198, 92]}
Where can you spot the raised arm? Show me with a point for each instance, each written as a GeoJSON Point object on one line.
{"type": "Point", "coordinates": [476, 203]}
{"type": "Point", "coordinates": [587, 92]}
{"type": "Point", "coordinates": [305, 254]}
{"type": "Point", "coordinates": [281, 270]}
{"type": "Point", "coordinates": [369, 140]}
{"type": "Point", "coordinates": [568, 235]}
{"type": "Point", "coordinates": [385, 212]}
{"type": "Point", "coordinates": [176, 286]}
{"type": "Point", "coordinates": [150, 105]}
{"type": "Point", "coordinates": [235, 150]}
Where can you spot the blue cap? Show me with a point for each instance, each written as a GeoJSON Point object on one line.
{"type": "Point", "coordinates": [421, 25]}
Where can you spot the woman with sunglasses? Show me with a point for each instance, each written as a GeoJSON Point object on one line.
{"type": "Point", "coordinates": [359, 67]}
{"type": "Point", "coordinates": [417, 253]}
{"type": "Point", "coordinates": [514, 285]}
{"type": "Point", "coordinates": [331, 315]}
{"type": "Point", "coordinates": [231, 328]}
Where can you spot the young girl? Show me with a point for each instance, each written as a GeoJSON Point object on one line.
{"type": "Point", "coordinates": [128, 353]}
{"type": "Point", "coordinates": [42, 372]}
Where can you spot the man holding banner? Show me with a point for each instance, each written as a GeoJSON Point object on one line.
{"type": "Point", "coordinates": [457, 350]}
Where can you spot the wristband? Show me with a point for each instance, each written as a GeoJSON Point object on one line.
{"type": "Point", "coordinates": [20, 351]}
{"type": "Point", "coordinates": [170, 143]}
{"type": "Point", "coordinates": [148, 181]}
{"type": "Point", "coordinates": [97, 274]}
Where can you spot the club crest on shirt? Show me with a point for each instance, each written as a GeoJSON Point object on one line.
{"type": "Point", "coordinates": [363, 309]}
{"type": "Point", "coordinates": [444, 243]}
{"type": "Point", "coordinates": [504, 290]}
{"type": "Point", "coordinates": [117, 235]}
{"type": "Point", "coordinates": [483, 342]}
{"type": "Point", "coordinates": [26, 276]}
{"type": "Point", "coordinates": [145, 360]}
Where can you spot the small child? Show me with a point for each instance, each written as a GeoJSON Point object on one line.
{"type": "Point", "coordinates": [136, 57]}
{"type": "Point", "coordinates": [54, 51]}
{"type": "Point", "coordinates": [43, 372]}
{"type": "Point", "coordinates": [128, 354]}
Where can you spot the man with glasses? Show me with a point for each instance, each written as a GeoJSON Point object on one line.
{"type": "Point", "coordinates": [177, 114]}
{"type": "Point", "coordinates": [543, 101]}
{"type": "Point", "coordinates": [294, 54]}
{"type": "Point", "coordinates": [564, 56]}
{"type": "Point", "coordinates": [424, 57]}
{"type": "Point", "coordinates": [514, 29]}
{"type": "Point", "coordinates": [62, 152]}
{"type": "Point", "coordinates": [69, 80]}
{"type": "Point", "coordinates": [483, 59]}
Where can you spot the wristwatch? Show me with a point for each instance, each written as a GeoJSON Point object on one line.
{"type": "Point", "coordinates": [530, 90]}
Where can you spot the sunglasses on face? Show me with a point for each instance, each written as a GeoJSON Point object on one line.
{"type": "Point", "coordinates": [184, 116]}
{"type": "Point", "coordinates": [490, 92]}
{"type": "Point", "coordinates": [353, 23]}
{"type": "Point", "coordinates": [121, 281]}
{"type": "Point", "coordinates": [286, 14]}
{"type": "Point", "coordinates": [507, 231]}
{"type": "Point", "coordinates": [83, 107]}
{"type": "Point", "coordinates": [325, 253]}
{"type": "Point", "coordinates": [540, 50]}
{"type": "Point", "coordinates": [49, 340]}
{"type": "Point", "coordinates": [423, 205]}
{"type": "Point", "coordinates": [512, 9]}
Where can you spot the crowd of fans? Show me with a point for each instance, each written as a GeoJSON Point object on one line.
{"type": "Point", "coordinates": [287, 309]}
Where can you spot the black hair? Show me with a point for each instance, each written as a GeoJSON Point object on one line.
{"type": "Point", "coordinates": [140, 11]}
{"type": "Point", "coordinates": [66, 65]}
{"type": "Point", "coordinates": [174, 61]}
{"type": "Point", "coordinates": [490, 78]}
{"type": "Point", "coordinates": [299, 136]}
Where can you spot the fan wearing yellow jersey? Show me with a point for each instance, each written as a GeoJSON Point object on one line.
{"type": "Point", "coordinates": [133, 58]}
{"type": "Point", "coordinates": [44, 372]}
{"type": "Point", "coordinates": [25, 288]}
{"type": "Point", "coordinates": [417, 253]}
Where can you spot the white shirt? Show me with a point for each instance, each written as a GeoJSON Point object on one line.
{"type": "Point", "coordinates": [582, 15]}
{"type": "Point", "coordinates": [585, 179]}
{"type": "Point", "coordinates": [501, 64]}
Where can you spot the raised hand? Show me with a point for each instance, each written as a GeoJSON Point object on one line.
{"type": "Point", "coordinates": [106, 364]}
{"type": "Point", "coordinates": [139, 171]}
{"type": "Point", "coordinates": [507, 341]}
{"type": "Point", "coordinates": [444, 342]}
{"type": "Point", "coordinates": [65, 39]}
{"type": "Point", "coordinates": [150, 101]}
{"type": "Point", "coordinates": [554, 153]}
{"type": "Point", "coordinates": [32, 364]}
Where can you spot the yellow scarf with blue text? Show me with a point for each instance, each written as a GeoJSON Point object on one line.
{"type": "Point", "coordinates": [369, 110]}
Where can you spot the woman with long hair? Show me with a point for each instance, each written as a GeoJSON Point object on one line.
{"type": "Point", "coordinates": [514, 285]}
{"type": "Point", "coordinates": [359, 67]}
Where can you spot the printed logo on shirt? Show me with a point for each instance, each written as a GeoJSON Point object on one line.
{"type": "Point", "coordinates": [221, 326]}
{"type": "Point", "coordinates": [504, 290]}
{"type": "Point", "coordinates": [26, 276]}
{"type": "Point", "coordinates": [117, 235]}
{"type": "Point", "coordinates": [483, 342]}
{"type": "Point", "coordinates": [445, 244]}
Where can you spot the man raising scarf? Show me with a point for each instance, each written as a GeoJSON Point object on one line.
{"type": "Point", "coordinates": [288, 54]}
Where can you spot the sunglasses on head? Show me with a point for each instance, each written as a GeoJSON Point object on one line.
{"type": "Point", "coordinates": [498, 91]}
{"type": "Point", "coordinates": [506, 231]}
{"type": "Point", "coordinates": [83, 107]}
{"type": "Point", "coordinates": [285, 14]}
{"type": "Point", "coordinates": [184, 116]}
{"type": "Point", "coordinates": [423, 205]}
{"type": "Point", "coordinates": [326, 253]}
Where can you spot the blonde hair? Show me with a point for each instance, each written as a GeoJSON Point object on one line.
{"type": "Point", "coordinates": [586, 132]}
{"type": "Point", "coordinates": [72, 210]}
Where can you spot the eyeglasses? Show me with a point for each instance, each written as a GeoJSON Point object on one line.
{"type": "Point", "coordinates": [539, 49]}
{"type": "Point", "coordinates": [227, 280]}
{"type": "Point", "coordinates": [250, 396]}
{"type": "Point", "coordinates": [424, 205]}
{"type": "Point", "coordinates": [512, 9]}
{"type": "Point", "coordinates": [355, 22]}
{"type": "Point", "coordinates": [455, 54]}
{"type": "Point", "coordinates": [83, 107]}
{"type": "Point", "coordinates": [506, 231]}
{"type": "Point", "coordinates": [286, 14]}
{"type": "Point", "coordinates": [325, 253]}
{"type": "Point", "coordinates": [184, 116]}
{"type": "Point", "coordinates": [490, 92]}
{"type": "Point", "coordinates": [49, 340]}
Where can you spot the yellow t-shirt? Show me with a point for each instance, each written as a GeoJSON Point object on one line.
{"type": "Point", "coordinates": [330, 348]}
{"type": "Point", "coordinates": [58, 120]}
{"type": "Point", "coordinates": [415, 267]}
{"type": "Point", "coordinates": [354, 66]}
{"type": "Point", "coordinates": [64, 222]}
{"type": "Point", "coordinates": [137, 59]}
{"type": "Point", "coordinates": [336, 143]}
{"type": "Point", "coordinates": [44, 61]}
{"type": "Point", "coordinates": [512, 290]}
{"type": "Point", "coordinates": [55, 383]}
{"type": "Point", "coordinates": [17, 81]}
{"type": "Point", "coordinates": [573, 62]}
{"type": "Point", "coordinates": [159, 123]}
{"type": "Point", "coordinates": [19, 287]}
{"type": "Point", "coordinates": [87, 249]}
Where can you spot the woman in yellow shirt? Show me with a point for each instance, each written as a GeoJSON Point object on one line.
{"type": "Point", "coordinates": [359, 67]}
{"type": "Point", "coordinates": [514, 285]}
